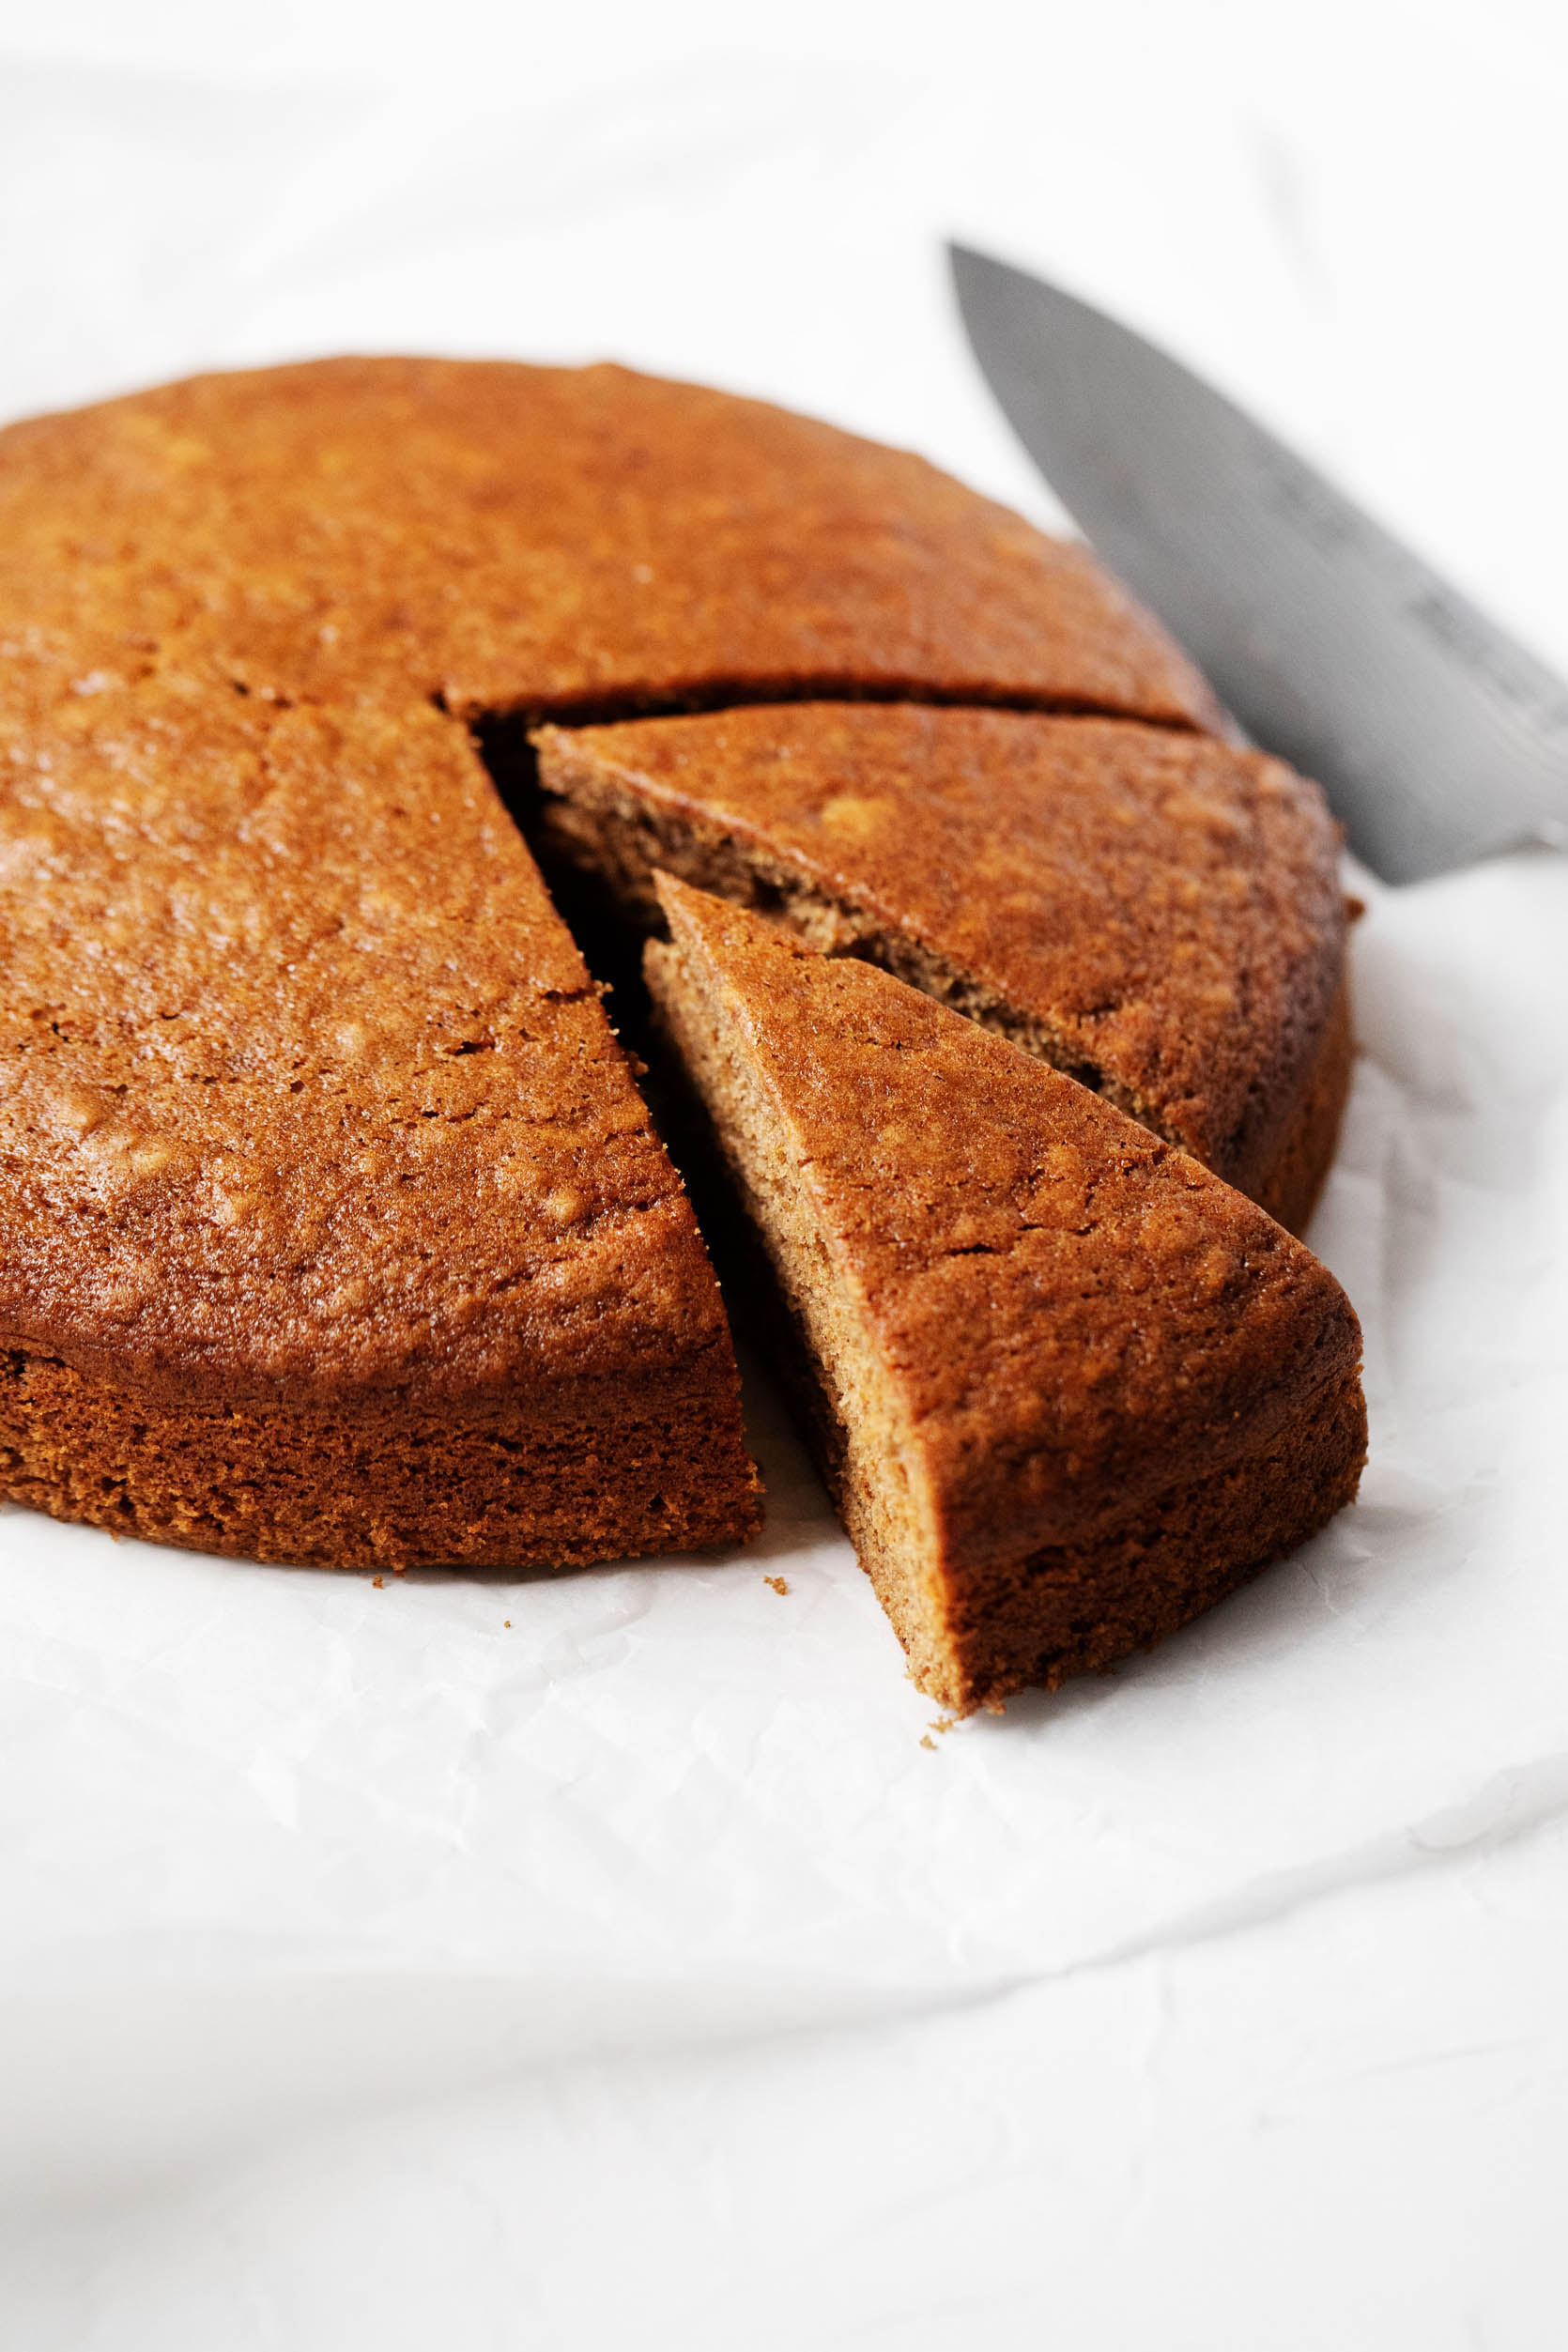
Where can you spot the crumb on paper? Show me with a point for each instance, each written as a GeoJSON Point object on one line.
{"type": "Point", "coordinates": [379, 1583]}
{"type": "Point", "coordinates": [943, 1723]}
{"type": "Point", "coordinates": [927, 1741]}
{"type": "Point", "coordinates": [506, 1624]}
{"type": "Point", "coordinates": [778, 1584]}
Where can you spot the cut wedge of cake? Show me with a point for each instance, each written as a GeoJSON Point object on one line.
{"type": "Point", "coordinates": [333, 1226]}
{"type": "Point", "coordinates": [1073, 1388]}
{"type": "Point", "coordinates": [1155, 911]}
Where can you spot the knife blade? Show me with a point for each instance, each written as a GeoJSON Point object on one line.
{"type": "Point", "coordinates": [1438, 738]}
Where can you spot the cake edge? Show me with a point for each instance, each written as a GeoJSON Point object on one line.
{"type": "Point", "coordinates": [578, 1480]}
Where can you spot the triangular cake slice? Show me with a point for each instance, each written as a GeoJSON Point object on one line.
{"type": "Point", "coordinates": [1152, 911]}
{"type": "Point", "coordinates": [1075, 1388]}
{"type": "Point", "coordinates": [333, 1226]}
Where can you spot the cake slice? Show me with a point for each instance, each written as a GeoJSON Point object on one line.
{"type": "Point", "coordinates": [333, 1226]}
{"type": "Point", "coordinates": [1154, 912]}
{"type": "Point", "coordinates": [1072, 1388]}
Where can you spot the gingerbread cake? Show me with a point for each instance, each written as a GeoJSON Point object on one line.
{"type": "Point", "coordinates": [333, 1225]}
{"type": "Point", "coordinates": [1073, 1388]}
{"type": "Point", "coordinates": [1154, 912]}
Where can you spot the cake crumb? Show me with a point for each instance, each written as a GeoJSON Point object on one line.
{"type": "Point", "coordinates": [927, 1741]}
{"type": "Point", "coordinates": [506, 1624]}
{"type": "Point", "coordinates": [777, 1583]}
{"type": "Point", "coordinates": [943, 1723]}
{"type": "Point", "coordinates": [379, 1583]}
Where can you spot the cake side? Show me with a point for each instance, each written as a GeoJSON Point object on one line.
{"type": "Point", "coordinates": [1076, 1608]}
{"type": "Point", "coordinates": [1157, 915]}
{"type": "Point", "coordinates": [601, 1471]}
{"type": "Point", "coordinates": [1290, 1182]}
{"type": "Point", "coordinates": [1074, 1331]}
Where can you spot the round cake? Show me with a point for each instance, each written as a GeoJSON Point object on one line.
{"type": "Point", "coordinates": [333, 1225]}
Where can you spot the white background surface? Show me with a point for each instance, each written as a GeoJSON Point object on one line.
{"type": "Point", "coordinates": [373, 1973]}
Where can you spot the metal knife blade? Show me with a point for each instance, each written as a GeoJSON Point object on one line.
{"type": "Point", "coordinates": [1436, 737]}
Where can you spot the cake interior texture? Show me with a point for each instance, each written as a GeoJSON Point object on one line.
{"type": "Point", "coordinates": [1155, 913]}
{"type": "Point", "coordinates": [1072, 1390]}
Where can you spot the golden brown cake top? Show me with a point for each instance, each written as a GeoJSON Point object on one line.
{"type": "Point", "coordinates": [1079, 1315]}
{"type": "Point", "coordinates": [304, 1091]}
{"type": "Point", "coordinates": [539, 538]}
{"type": "Point", "coordinates": [1166, 907]}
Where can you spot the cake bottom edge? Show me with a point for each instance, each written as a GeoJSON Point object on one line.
{"type": "Point", "coordinates": [663, 1471]}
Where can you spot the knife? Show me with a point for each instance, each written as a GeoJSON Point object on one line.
{"type": "Point", "coordinates": [1436, 737]}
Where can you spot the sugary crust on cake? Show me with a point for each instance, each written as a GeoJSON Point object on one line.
{"type": "Point", "coordinates": [1158, 914]}
{"type": "Point", "coordinates": [541, 539]}
{"type": "Point", "coordinates": [1062, 1329]}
